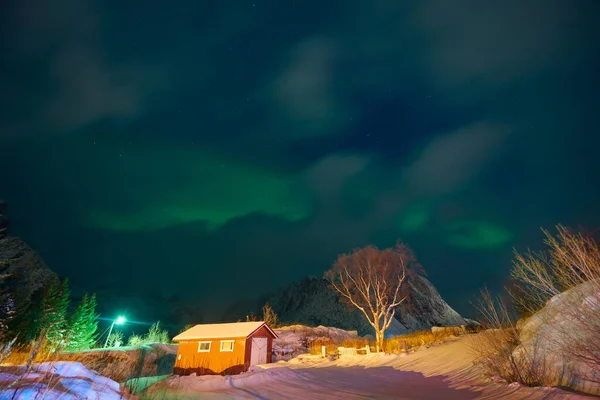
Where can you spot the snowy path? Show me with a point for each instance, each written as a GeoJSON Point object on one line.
{"type": "Point", "coordinates": [350, 383]}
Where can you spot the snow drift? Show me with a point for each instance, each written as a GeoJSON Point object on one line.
{"type": "Point", "coordinates": [62, 380]}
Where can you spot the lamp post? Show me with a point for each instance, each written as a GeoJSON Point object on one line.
{"type": "Point", "coordinates": [119, 321]}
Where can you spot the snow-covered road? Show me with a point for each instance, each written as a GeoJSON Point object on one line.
{"type": "Point", "coordinates": [349, 383]}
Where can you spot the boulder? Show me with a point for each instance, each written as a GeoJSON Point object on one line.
{"type": "Point", "coordinates": [562, 338]}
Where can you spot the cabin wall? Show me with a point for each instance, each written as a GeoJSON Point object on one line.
{"type": "Point", "coordinates": [189, 360]}
{"type": "Point", "coordinates": [262, 332]}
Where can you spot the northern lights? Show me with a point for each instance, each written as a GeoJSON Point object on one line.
{"type": "Point", "coordinates": [172, 156]}
{"type": "Point", "coordinates": [175, 186]}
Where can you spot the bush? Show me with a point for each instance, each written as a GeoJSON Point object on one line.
{"type": "Point", "coordinates": [496, 348]}
{"type": "Point", "coordinates": [154, 335]}
{"type": "Point", "coordinates": [394, 345]}
{"type": "Point", "coordinates": [115, 339]}
{"type": "Point", "coordinates": [269, 316]}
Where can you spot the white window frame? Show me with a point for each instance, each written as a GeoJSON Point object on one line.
{"type": "Point", "coordinates": [202, 350]}
{"type": "Point", "coordinates": [228, 341]}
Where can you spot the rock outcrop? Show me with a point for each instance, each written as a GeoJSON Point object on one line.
{"type": "Point", "coordinates": [313, 302]}
{"type": "Point", "coordinates": [562, 338]}
{"type": "Point", "coordinates": [423, 308]}
{"type": "Point", "coordinates": [23, 269]}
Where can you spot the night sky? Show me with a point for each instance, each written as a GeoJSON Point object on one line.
{"type": "Point", "coordinates": [178, 157]}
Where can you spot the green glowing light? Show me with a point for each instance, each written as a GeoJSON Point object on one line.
{"type": "Point", "coordinates": [477, 235]}
{"type": "Point", "coordinates": [120, 320]}
{"type": "Point", "coordinates": [168, 187]}
{"type": "Point", "coordinates": [414, 218]}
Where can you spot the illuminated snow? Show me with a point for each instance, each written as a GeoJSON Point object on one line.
{"type": "Point", "coordinates": [58, 380]}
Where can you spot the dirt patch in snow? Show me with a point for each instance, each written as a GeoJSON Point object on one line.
{"type": "Point", "coordinates": [124, 363]}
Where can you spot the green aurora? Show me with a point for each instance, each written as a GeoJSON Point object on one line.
{"type": "Point", "coordinates": [197, 187]}
{"type": "Point", "coordinates": [477, 235]}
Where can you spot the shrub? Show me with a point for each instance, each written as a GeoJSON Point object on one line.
{"type": "Point", "coordinates": [154, 335]}
{"type": "Point", "coordinates": [404, 343]}
{"type": "Point", "coordinates": [115, 339]}
{"type": "Point", "coordinates": [494, 348]}
{"type": "Point", "coordinates": [269, 316]}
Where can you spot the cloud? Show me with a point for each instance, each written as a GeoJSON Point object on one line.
{"type": "Point", "coordinates": [328, 176]}
{"type": "Point", "coordinates": [304, 90]}
{"type": "Point", "coordinates": [487, 43]}
{"type": "Point", "coordinates": [447, 165]}
{"type": "Point", "coordinates": [77, 82]}
{"type": "Point", "coordinates": [451, 160]}
{"type": "Point", "coordinates": [90, 89]}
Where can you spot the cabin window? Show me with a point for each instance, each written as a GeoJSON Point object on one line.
{"type": "Point", "coordinates": [227, 345]}
{"type": "Point", "coordinates": [204, 347]}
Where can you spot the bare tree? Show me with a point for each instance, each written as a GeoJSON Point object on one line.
{"type": "Point", "coordinates": [371, 280]}
{"type": "Point", "coordinates": [270, 316]}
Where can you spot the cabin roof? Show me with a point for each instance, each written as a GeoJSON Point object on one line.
{"type": "Point", "coordinates": [220, 331]}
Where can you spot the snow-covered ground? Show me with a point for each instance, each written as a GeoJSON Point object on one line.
{"type": "Point", "coordinates": [441, 372]}
{"type": "Point", "coordinates": [57, 380]}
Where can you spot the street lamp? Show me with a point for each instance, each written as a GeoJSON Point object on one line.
{"type": "Point", "coordinates": [119, 321]}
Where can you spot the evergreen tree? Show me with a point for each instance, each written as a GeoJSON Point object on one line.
{"type": "Point", "coordinates": [83, 325]}
{"type": "Point", "coordinates": [55, 303]}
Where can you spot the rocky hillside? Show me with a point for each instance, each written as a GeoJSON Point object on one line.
{"type": "Point", "coordinates": [424, 308]}
{"type": "Point", "coordinates": [23, 270]}
{"type": "Point", "coordinates": [313, 302]}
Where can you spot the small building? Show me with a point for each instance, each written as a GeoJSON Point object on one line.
{"type": "Point", "coordinates": [228, 348]}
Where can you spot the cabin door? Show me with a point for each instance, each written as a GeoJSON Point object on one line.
{"type": "Point", "coordinates": [259, 351]}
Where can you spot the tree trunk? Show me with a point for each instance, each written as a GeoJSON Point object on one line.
{"type": "Point", "coordinates": [378, 340]}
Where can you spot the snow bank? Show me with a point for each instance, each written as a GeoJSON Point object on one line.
{"type": "Point", "coordinates": [63, 380]}
{"type": "Point", "coordinates": [124, 363]}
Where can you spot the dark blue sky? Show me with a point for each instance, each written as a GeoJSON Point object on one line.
{"type": "Point", "coordinates": [178, 157]}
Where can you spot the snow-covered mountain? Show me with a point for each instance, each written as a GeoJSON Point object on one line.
{"type": "Point", "coordinates": [313, 302]}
